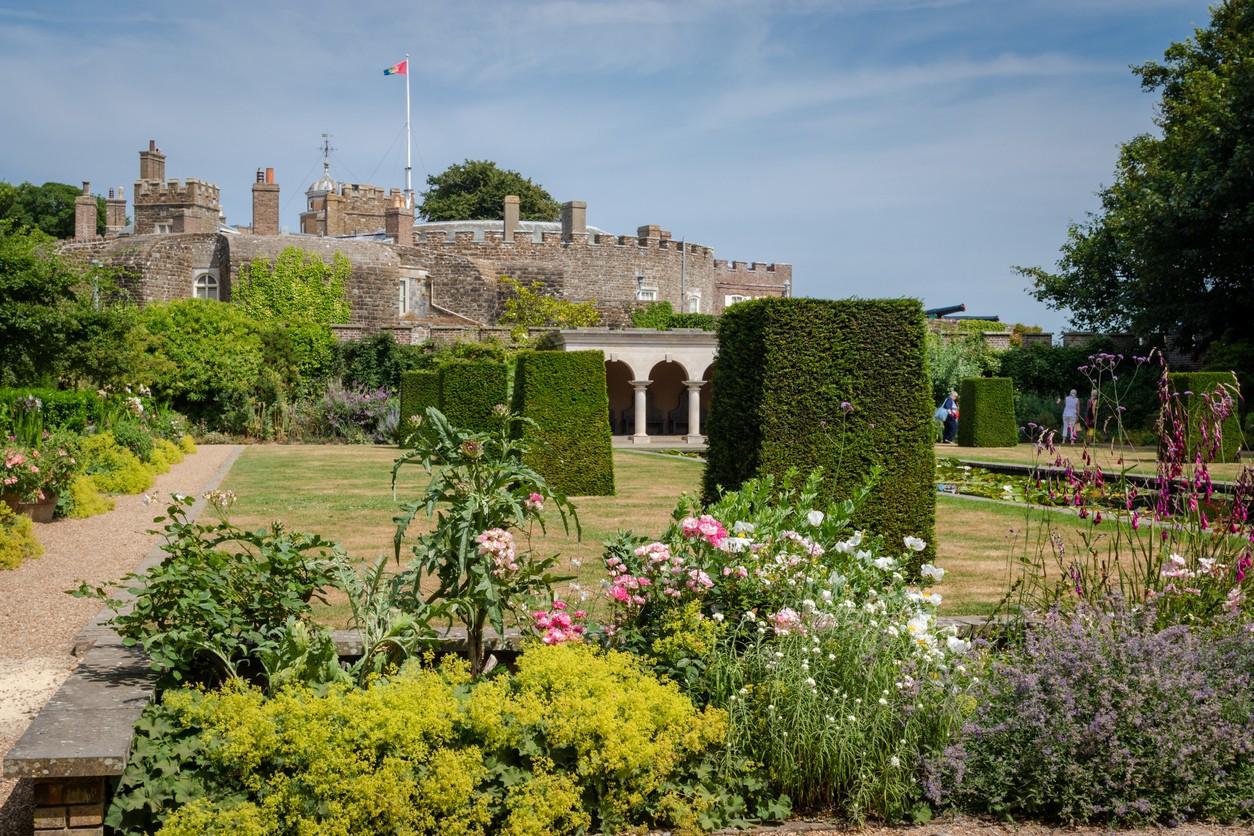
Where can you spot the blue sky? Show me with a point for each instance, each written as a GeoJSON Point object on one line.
{"type": "Point", "coordinates": [892, 148]}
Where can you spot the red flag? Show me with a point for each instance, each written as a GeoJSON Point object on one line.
{"type": "Point", "coordinates": [398, 69]}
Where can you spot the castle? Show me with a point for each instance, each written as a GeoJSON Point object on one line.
{"type": "Point", "coordinates": [418, 281]}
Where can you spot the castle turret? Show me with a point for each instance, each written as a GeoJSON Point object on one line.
{"type": "Point", "coordinates": [85, 214]}
{"type": "Point", "coordinates": [265, 203]}
{"type": "Point", "coordinates": [160, 206]}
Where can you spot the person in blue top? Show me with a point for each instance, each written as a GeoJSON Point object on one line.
{"type": "Point", "coordinates": [951, 417]}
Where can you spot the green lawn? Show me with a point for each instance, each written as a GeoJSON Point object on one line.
{"type": "Point", "coordinates": [343, 493]}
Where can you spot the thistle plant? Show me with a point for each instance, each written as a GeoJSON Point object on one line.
{"type": "Point", "coordinates": [1178, 542]}
{"type": "Point", "coordinates": [480, 493]}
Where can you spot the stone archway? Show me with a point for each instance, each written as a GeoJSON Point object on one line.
{"type": "Point", "coordinates": [618, 378]}
{"type": "Point", "coordinates": [667, 398]}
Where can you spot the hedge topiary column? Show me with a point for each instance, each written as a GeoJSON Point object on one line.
{"type": "Point", "coordinates": [470, 390]}
{"type": "Point", "coordinates": [564, 393]}
{"type": "Point", "coordinates": [988, 412]}
{"type": "Point", "coordinates": [839, 384]}
{"type": "Point", "coordinates": [1202, 387]}
{"type": "Point", "coordinates": [419, 390]}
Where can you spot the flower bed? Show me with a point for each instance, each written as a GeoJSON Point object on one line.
{"type": "Point", "coordinates": [760, 658]}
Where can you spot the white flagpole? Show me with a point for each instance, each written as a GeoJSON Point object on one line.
{"type": "Point", "coordinates": [409, 165]}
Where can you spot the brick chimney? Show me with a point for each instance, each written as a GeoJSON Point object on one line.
{"type": "Point", "coordinates": [85, 214]}
{"type": "Point", "coordinates": [574, 219]}
{"type": "Point", "coordinates": [152, 163]}
{"type": "Point", "coordinates": [115, 211]}
{"type": "Point", "coordinates": [511, 217]}
{"type": "Point", "coordinates": [398, 220]}
{"type": "Point", "coordinates": [265, 203]}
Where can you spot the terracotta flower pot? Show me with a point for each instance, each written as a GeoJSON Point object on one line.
{"type": "Point", "coordinates": [40, 512]}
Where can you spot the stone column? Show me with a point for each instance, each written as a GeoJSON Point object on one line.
{"type": "Point", "coordinates": [642, 418]}
{"type": "Point", "coordinates": [694, 435]}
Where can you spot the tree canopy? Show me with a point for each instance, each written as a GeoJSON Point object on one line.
{"type": "Point", "coordinates": [1169, 254]}
{"type": "Point", "coordinates": [476, 190]}
{"type": "Point", "coordinates": [49, 208]}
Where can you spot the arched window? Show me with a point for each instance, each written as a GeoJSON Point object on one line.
{"type": "Point", "coordinates": [205, 284]}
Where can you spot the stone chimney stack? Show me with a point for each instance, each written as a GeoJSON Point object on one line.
{"type": "Point", "coordinates": [265, 203]}
{"type": "Point", "coordinates": [85, 215]}
{"type": "Point", "coordinates": [152, 163]}
{"type": "Point", "coordinates": [574, 219]}
{"type": "Point", "coordinates": [115, 211]}
{"type": "Point", "coordinates": [398, 220]}
{"type": "Point", "coordinates": [511, 217]}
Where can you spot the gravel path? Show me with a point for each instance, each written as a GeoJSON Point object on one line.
{"type": "Point", "coordinates": [38, 621]}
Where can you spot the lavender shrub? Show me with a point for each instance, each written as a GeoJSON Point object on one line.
{"type": "Point", "coordinates": [1100, 717]}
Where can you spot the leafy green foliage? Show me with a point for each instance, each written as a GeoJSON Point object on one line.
{"type": "Point", "coordinates": [59, 408]}
{"type": "Point", "coordinates": [112, 467]}
{"type": "Point", "coordinates": [842, 385]}
{"type": "Point", "coordinates": [481, 489]}
{"type": "Point", "coordinates": [378, 361]}
{"type": "Point", "coordinates": [1168, 252]}
{"type": "Point", "coordinates": [563, 394]}
{"type": "Point", "coordinates": [471, 391]}
{"type": "Point", "coordinates": [419, 390]}
{"type": "Point", "coordinates": [17, 538]}
{"type": "Point", "coordinates": [950, 360]}
{"type": "Point", "coordinates": [578, 741]}
{"type": "Point", "coordinates": [476, 190]}
{"type": "Point", "coordinates": [988, 413]}
{"type": "Point", "coordinates": [1203, 395]}
{"type": "Point", "coordinates": [302, 293]}
{"type": "Point", "coordinates": [219, 598]}
{"type": "Point", "coordinates": [194, 374]}
{"type": "Point", "coordinates": [661, 316]}
{"type": "Point", "coordinates": [529, 307]}
{"type": "Point", "coordinates": [48, 208]}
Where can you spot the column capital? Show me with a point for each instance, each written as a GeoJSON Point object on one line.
{"type": "Point", "coordinates": [641, 384]}
{"type": "Point", "coordinates": [694, 384]}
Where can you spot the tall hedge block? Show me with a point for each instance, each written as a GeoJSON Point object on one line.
{"type": "Point", "coordinates": [564, 393]}
{"type": "Point", "coordinates": [988, 412]}
{"type": "Point", "coordinates": [419, 390]}
{"type": "Point", "coordinates": [1202, 387]}
{"type": "Point", "coordinates": [469, 390]}
{"type": "Point", "coordinates": [789, 370]}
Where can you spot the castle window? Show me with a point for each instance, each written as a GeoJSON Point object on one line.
{"type": "Point", "coordinates": [205, 284]}
{"type": "Point", "coordinates": [728, 301]}
{"type": "Point", "coordinates": [162, 228]}
{"type": "Point", "coordinates": [646, 294]}
{"type": "Point", "coordinates": [694, 301]}
{"type": "Point", "coordinates": [409, 294]}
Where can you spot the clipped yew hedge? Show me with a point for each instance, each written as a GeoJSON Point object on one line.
{"type": "Point", "coordinates": [988, 412]}
{"type": "Point", "coordinates": [564, 393]}
{"type": "Point", "coordinates": [419, 390]}
{"type": "Point", "coordinates": [786, 367]}
{"type": "Point", "coordinates": [1201, 386]}
{"type": "Point", "coordinates": [470, 390]}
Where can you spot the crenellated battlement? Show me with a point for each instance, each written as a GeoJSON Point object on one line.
{"type": "Point", "coordinates": [748, 268]}
{"type": "Point", "coordinates": [191, 192]}
{"type": "Point", "coordinates": [537, 237]}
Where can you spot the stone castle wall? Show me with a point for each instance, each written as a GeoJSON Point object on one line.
{"type": "Point", "coordinates": [606, 270]}
{"type": "Point", "coordinates": [158, 268]}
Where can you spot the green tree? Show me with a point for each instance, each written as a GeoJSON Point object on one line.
{"type": "Point", "coordinates": [36, 291]}
{"type": "Point", "coordinates": [49, 207]}
{"type": "Point", "coordinates": [528, 307]}
{"type": "Point", "coordinates": [476, 190]}
{"type": "Point", "coordinates": [303, 295]}
{"type": "Point", "coordinates": [1168, 255]}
